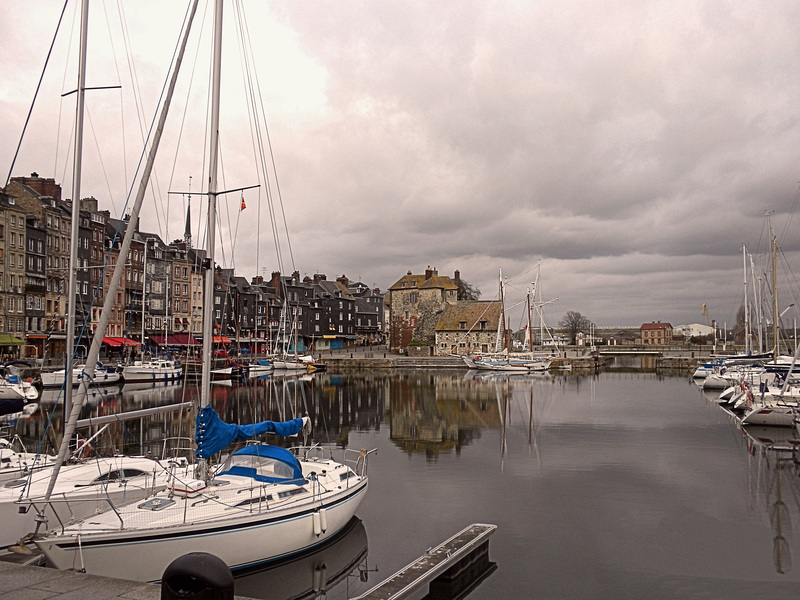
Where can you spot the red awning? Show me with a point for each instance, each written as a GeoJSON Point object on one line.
{"type": "Point", "coordinates": [221, 339]}
{"type": "Point", "coordinates": [116, 342]}
{"type": "Point", "coordinates": [177, 339]}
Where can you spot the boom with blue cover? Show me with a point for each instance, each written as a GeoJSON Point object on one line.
{"type": "Point", "coordinates": [212, 434]}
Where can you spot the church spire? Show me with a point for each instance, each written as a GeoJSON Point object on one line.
{"type": "Point", "coordinates": [187, 233]}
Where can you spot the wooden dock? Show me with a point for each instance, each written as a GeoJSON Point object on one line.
{"type": "Point", "coordinates": [457, 555]}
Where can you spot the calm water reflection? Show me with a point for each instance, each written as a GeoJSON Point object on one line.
{"type": "Point", "coordinates": [619, 485]}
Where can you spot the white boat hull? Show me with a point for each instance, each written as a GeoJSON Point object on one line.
{"type": "Point", "coordinates": [774, 416]}
{"type": "Point", "coordinates": [240, 542]}
{"type": "Point", "coordinates": [55, 379]}
{"type": "Point", "coordinates": [147, 373]}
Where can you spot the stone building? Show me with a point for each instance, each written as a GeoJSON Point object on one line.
{"type": "Point", "coordinates": [416, 302]}
{"type": "Point", "coordinates": [469, 327]}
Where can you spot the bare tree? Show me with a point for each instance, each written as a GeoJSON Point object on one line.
{"type": "Point", "coordinates": [467, 291]}
{"type": "Point", "coordinates": [573, 323]}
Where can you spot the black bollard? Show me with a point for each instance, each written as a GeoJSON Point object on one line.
{"type": "Point", "coordinates": [197, 576]}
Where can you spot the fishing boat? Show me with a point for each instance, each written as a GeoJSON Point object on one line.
{"type": "Point", "coordinates": [262, 504]}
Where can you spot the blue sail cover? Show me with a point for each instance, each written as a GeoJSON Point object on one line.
{"type": "Point", "coordinates": [212, 434]}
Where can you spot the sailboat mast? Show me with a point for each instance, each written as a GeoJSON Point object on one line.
{"type": "Point", "coordinates": [747, 340]}
{"type": "Point", "coordinates": [208, 310]}
{"type": "Point", "coordinates": [775, 315]}
{"type": "Point", "coordinates": [94, 350]}
{"type": "Point", "coordinates": [72, 285]}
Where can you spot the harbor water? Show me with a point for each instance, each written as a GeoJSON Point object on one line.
{"type": "Point", "coordinates": [621, 484]}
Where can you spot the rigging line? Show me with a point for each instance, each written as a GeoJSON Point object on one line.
{"type": "Point", "coordinates": [248, 71]}
{"type": "Point", "coordinates": [137, 95]}
{"type": "Point", "coordinates": [100, 158]}
{"type": "Point", "coordinates": [274, 166]}
{"type": "Point", "coordinates": [154, 122]}
{"type": "Point", "coordinates": [785, 231]}
{"type": "Point", "coordinates": [186, 109]}
{"type": "Point", "coordinates": [61, 102]}
{"type": "Point", "coordinates": [121, 106]}
{"type": "Point", "coordinates": [36, 93]}
{"type": "Point", "coordinates": [253, 118]}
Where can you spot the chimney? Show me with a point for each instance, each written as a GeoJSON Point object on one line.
{"type": "Point", "coordinates": [343, 280]}
{"type": "Point", "coordinates": [457, 275]}
{"type": "Point", "coordinates": [296, 275]}
{"type": "Point", "coordinates": [275, 283]}
{"type": "Point", "coordinates": [320, 277]}
{"type": "Point", "coordinates": [46, 187]}
{"type": "Point", "coordinates": [429, 273]}
{"type": "Point", "coordinates": [257, 280]}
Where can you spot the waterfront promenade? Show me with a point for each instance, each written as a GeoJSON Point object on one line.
{"type": "Point", "coordinates": [379, 357]}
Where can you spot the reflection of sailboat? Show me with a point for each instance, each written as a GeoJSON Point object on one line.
{"type": "Point", "coordinates": [310, 575]}
{"type": "Point", "coordinates": [265, 503]}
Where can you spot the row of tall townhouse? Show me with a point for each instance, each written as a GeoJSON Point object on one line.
{"type": "Point", "coordinates": [160, 298]}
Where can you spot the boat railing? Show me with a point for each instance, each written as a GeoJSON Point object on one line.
{"type": "Point", "coordinates": [358, 460]}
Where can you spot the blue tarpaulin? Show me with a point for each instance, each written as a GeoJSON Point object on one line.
{"type": "Point", "coordinates": [213, 434]}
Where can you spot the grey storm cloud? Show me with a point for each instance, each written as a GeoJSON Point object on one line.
{"type": "Point", "coordinates": [633, 147]}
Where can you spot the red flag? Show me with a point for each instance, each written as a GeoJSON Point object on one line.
{"type": "Point", "coordinates": [243, 205]}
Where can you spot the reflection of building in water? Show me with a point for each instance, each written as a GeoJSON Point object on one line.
{"type": "Point", "coordinates": [776, 484]}
{"type": "Point", "coordinates": [336, 404]}
{"type": "Point", "coordinates": [445, 420]}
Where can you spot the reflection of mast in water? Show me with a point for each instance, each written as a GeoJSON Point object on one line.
{"type": "Point", "coordinates": [775, 449]}
{"type": "Point", "coordinates": [779, 517]}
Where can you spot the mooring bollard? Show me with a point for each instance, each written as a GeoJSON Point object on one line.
{"type": "Point", "coordinates": [197, 576]}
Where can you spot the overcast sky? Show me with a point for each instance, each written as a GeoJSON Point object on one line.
{"type": "Point", "coordinates": [632, 147]}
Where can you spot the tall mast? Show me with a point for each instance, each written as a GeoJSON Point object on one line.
{"type": "Point", "coordinates": [747, 340]}
{"type": "Point", "coordinates": [208, 310]}
{"type": "Point", "coordinates": [76, 210]}
{"type": "Point", "coordinates": [774, 298]}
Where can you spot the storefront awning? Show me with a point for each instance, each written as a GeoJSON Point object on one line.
{"type": "Point", "coordinates": [6, 339]}
{"type": "Point", "coordinates": [177, 339]}
{"type": "Point", "coordinates": [221, 339]}
{"type": "Point", "coordinates": [116, 342]}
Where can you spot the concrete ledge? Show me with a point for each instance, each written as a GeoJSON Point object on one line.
{"type": "Point", "coordinates": [42, 583]}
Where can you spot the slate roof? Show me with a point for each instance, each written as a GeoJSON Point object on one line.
{"type": "Point", "coordinates": [471, 311]}
{"type": "Point", "coordinates": [419, 282]}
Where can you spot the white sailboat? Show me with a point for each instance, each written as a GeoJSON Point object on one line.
{"type": "Point", "coordinates": [265, 503]}
{"type": "Point", "coordinates": [156, 369]}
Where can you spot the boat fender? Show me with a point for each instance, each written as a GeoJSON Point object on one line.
{"type": "Point", "coordinates": [323, 519]}
{"type": "Point", "coordinates": [315, 521]}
